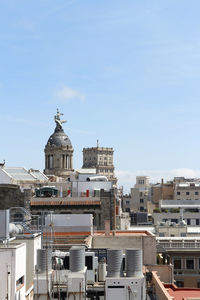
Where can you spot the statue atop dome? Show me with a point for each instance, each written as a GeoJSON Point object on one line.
{"type": "Point", "coordinates": [58, 121]}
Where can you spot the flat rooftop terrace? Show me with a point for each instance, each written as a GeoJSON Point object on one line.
{"type": "Point", "coordinates": [182, 293]}
{"type": "Point", "coordinates": [124, 233]}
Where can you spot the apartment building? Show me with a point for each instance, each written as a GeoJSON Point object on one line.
{"type": "Point", "coordinates": [184, 254]}
{"type": "Point", "coordinates": [140, 194]}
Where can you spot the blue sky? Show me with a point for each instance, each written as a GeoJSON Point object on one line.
{"type": "Point", "coordinates": [124, 72]}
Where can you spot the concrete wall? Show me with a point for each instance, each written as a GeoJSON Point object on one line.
{"type": "Point", "coordinates": [11, 195]}
{"type": "Point", "coordinates": [159, 289]}
{"type": "Point", "coordinates": [144, 242]}
{"type": "Point", "coordinates": [163, 191]}
{"type": "Point", "coordinates": [32, 244]}
{"type": "Point", "coordinates": [165, 272]}
{"type": "Point", "coordinates": [13, 267]}
{"type": "Point", "coordinates": [172, 230]}
{"type": "Point", "coordinates": [79, 187]}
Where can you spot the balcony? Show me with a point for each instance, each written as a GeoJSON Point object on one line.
{"type": "Point", "coordinates": [179, 243]}
{"type": "Point", "coordinates": [184, 272]}
{"type": "Point", "coordinates": [187, 204]}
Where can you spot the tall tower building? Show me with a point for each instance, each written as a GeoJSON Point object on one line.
{"type": "Point", "coordinates": [100, 158]}
{"type": "Point", "coordinates": [58, 151]}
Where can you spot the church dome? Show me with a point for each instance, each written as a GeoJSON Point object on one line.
{"type": "Point", "coordinates": [59, 139]}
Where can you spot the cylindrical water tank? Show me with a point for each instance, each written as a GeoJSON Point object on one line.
{"type": "Point", "coordinates": [102, 271]}
{"type": "Point", "coordinates": [77, 258]}
{"type": "Point", "coordinates": [44, 260]}
{"type": "Point", "coordinates": [114, 262]}
{"type": "Point", "coordinates": [134, 263]}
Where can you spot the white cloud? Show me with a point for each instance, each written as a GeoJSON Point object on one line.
{"type": "Point", "coordinates": [66, 93]}
{"type": "Point", "coordinates": [127, 178]}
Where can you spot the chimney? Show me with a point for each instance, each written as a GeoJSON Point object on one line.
{"type": "Point", "coordinates": [107, 227]}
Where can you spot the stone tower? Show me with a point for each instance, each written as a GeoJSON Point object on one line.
{"type": "Point", "coordinates": [100, 158]}
{"type": "Point", "coordinates": [58, 151]}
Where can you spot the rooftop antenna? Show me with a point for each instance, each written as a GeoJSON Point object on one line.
{"type": "Point", "coordinates": [97, 143]}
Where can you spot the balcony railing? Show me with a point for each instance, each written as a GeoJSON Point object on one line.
{"type": "Point", "coordinates": [179, 244]}
{"type": "Point", "coordinates": [178, 272]}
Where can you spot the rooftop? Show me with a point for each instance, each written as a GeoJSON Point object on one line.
{"type": "Point", "coordinates": [18, 173]}
{"type": "Point", "coordinates": [182, 293]}
{"type": "Point", "coordinates": [125, 233]}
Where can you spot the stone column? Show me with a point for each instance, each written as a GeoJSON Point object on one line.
{"type": "Point", "coordinates": [52, 157]}
{"type": "Point", "coordinates": [61, 161]}
{"type": "Point", "coordinates": [71, 162]}
{"type": "Point", "coordinates": [67, 161]}
{"type": "Point", "coordinates": [64, 161]}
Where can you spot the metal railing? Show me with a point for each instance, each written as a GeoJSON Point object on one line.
{"type": "Point", "coordinates": [179, 244]}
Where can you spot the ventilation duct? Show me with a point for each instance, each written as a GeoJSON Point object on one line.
{"type": "Point", "coordinates": [44, 260]}
{"type": "Point", "coordinates": [77, 258]}
{"type": "Point", "coordinates": [134, 263]}
{"type": "Point", "coordinates": [115, 263]}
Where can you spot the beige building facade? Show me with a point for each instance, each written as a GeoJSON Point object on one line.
{"type": "Point", "coordinates": [140, 194]}
{"type": "Point", "coordinates": [187, 191]}
{"type": "Point", "coordinates": [100, 158]}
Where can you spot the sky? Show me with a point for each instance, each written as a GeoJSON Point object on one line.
{"type": "Point", "coordinates": [124, 72]}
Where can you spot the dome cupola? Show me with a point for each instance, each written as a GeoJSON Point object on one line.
{"type": "Point", "coordinates": [58, 151]}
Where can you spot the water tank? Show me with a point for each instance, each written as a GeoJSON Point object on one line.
{"type": "Point", "coordinates": [134, 263]}
{"type": "Point", "coordinates": [77, 258]}
{"type": "Point", "coordinates": [114, 262]}
{"type": "Point", "coordinates": [44, 260]}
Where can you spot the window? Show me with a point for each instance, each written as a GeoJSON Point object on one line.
{"type": "Point", "coordinates": [183, 234]}
{"type": "Point", "coordinates": [161, 234]}
{"type": "Point", "coordinates": [179, 283]}
{"type": "Point", "coordinates": [178, 193]}
{"type": "Point", "coordinates": [141, 200]}
{"type": "Point", "coordinates": [19, 282]}
{"type": "Point", "coordinates": [174, 220]}
{"type": "Point", "coordinates": [190, 263]}
{"type": "Point", "coordinates": [188, 222]}
{"type": "Point", "coordinates": [141, 208]}
{"type": "Point", "coordinates": [89, 262]}
{"type": "Point", "coordinates": [127, 202]}
{"type": "Point", "coordinates": [177, 263]}
{"type": "Point", "coordinates": [187, 193]}
{"type": "Point", "coordinates": [196, 193]}
{"type": "Point", "coordinates": [141, 194]}
{"type": "Point", "coordinates": [197, 221]}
